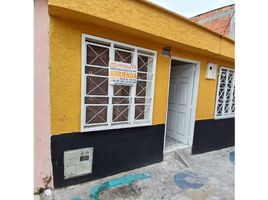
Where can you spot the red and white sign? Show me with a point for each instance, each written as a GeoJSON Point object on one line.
{"type": "Point", "coordinates": [122, 73]}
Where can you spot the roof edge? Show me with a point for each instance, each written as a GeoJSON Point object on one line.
{"type": "Point", "coordinates": [182, 17]}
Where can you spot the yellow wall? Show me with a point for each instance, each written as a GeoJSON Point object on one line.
{"type": "Point", "coordinates": [65, 73]}
{"type": "Point", "coordinates": [141, 17]}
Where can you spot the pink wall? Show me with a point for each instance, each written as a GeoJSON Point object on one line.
{"type": "Point", "coordinates": [42, 162]}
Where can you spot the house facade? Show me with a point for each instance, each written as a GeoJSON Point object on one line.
{"type": "Point", "coordinates": [119, 83]}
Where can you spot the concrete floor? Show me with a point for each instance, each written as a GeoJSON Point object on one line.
{"type": "Point", "coordinates": [172, 144]}
{"type": "Point", "coordinates": [180, 176]}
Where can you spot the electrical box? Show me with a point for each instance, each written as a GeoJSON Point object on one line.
{"type": "Point", "coordinates": [78, 162]}
{"type": "Point", "coordinates": [211, 71]}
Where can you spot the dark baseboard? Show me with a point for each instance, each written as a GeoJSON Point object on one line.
{"type": "Point", "coordinates": [213, 134]}
{"type": "Point", "coordinates": [114, 151]}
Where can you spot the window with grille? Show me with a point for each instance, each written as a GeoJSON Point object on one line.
{"type": "Point", "coordinates": [225, 100]}
{"type": "Point", "coordinates": [109, 106]}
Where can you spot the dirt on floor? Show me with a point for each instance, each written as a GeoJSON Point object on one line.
{"type": "Point", "coordinates": [181, 176]}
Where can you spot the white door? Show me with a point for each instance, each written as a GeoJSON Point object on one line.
{"type": "Point", "coordinates": [180, 102]}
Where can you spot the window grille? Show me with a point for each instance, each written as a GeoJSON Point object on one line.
{"type": "Point", "coordinates": [225, 99]}
{"type": "Point", "coordinates": [106, 106]}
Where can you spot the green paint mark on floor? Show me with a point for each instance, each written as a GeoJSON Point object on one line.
{"type": "Point", "coordinates": [125, 180]}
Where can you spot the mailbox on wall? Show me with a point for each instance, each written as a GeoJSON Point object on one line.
{"type": "Point", "coordinates": [211, 71]}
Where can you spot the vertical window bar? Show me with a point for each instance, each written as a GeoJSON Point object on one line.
{"type": "Point", "coordinates": [225, 91]}
{"type": "Point", "coordinates": [133, 92]}
{"type": "Point", "coordinates": [147, 94]}
{"type": "Point", "coordinates": [218, 91]}
{"type": "Point", "coordinates": [231, 98]}
{"type": "Point", "coordinates": [83, 93]}
{"type": "Point", "coordinates": [152, 88]}
{"type": "Point", "coordinates": [110, 90]}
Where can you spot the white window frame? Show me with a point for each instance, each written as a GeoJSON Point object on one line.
{"type": "Point", "coordinates": [230, 114]}
{"type": "Point", "coordinates": [134, 123]}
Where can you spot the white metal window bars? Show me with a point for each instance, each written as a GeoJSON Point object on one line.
{"type": "Point", "coordinates": [144, 86]}
{"type": "Point", "coordinates": [122, 109]}
{"type": "Point", "coordinates": [225, 99]}
{"type": "Point", "coordinates": [106, 106]}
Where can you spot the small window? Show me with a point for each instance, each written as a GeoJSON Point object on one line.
{"type": "Point", "coordinates": [108, 106]}
{"type": "Point", "coordinates": [225, 99]}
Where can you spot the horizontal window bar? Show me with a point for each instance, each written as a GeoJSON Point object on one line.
{"type": "Point", "coordinates": [224, 117]}
{"type": "Point", "coordinates": [141, 121]}
{"type": "Point", "coordinates": [120, 122]}
{"type": "Point", "coordinates": [147, 80]}
{"type": "Point", "coordinates": [143, 72]}
{"type": "Point", "coordinates": [95, 105]}
{"type": "Point", "coordinates": [121, 104]}
{"type": "Point", "coordinates": [86, 95]}
{"type": "Point", "coordinates": [92, 75]}
{"type": "Point", "coordinates": [132, 52]}
{"type": "Point", "coordinates": [226, 68]}
{"type": "Point", "coordinates": [116, 43]}
{"type": "Point", "coordinates": [128, 97]}
{"type": "Point", "coordinates": [99, 45]}
{"type": "Point", "coordinates": [94, 124]}
{"type": "Point", "coordinates": [143, 104]}
{"type": "Point", "coordinates": [140, 80]}
{"type": "Point", "coordinates": [89, 65]}
{"type": "Point", "coordinates": [143, 97]}
{"type": "Point", "coordinates": [97, 41]}
{"type": "Point", "coordinates": [145, 55]}
{"type": "Point", "coordinates": [124, 47]}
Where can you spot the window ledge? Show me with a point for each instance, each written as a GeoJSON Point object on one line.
{"type": "Point", "coordinates": [103, 128]}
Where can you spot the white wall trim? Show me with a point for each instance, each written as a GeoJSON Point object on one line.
{"type": "Point", "coordinates": [194, 102]}
{"type": "Point", "coordinates": [194, 97]}
{"type": "Point", "coordinates": [165, 134]}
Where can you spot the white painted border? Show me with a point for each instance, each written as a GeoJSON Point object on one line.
{"type": "Point", "coordinates": [194, 98]}
{"type": "Point", "coordinates": [165, 134]}
{"type": "Point", "coordinates": [83, 83]}
{"type": "Point", "coordinates": [82, 89]}
{"type": "Point", "coordinates": [153, 82]}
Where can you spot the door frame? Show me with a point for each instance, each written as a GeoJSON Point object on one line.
{"type": "Point", "coordinates": [194, 98]}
